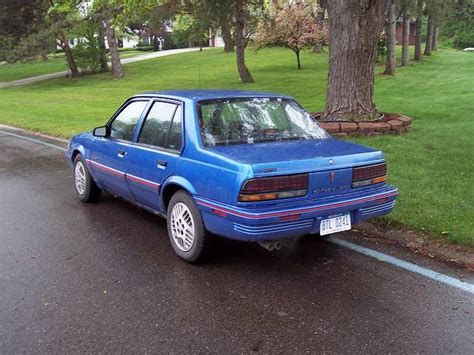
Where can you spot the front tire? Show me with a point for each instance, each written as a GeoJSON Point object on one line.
{"type": "Point", "coordinates": [86, 188]}
{"type": "Point", "coordinates": [188, 236]}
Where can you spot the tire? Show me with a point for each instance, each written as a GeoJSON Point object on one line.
{"type": "Point", "coordinates": [86, 188]}
{"type": "Point", "coordinates": [186, 231]}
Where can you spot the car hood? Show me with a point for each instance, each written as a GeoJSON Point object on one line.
{"type": "Point", "coordinates": [300, 156]}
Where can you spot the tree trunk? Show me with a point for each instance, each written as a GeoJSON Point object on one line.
{"type": "Point", "coordinates": [390, 38]}
{"type": "Point", "coordinates": [298, 62]}
{"type": "Point", "coordinates": [429, 36]}
{"type": "Point", "coordinates": [320, 16]}
{"type": "Point", "coordinates": [434, 41]}
{"type": "Point", "coordinates": [405, 40]}
{"type": "Point", "coordinates": [227, 37]}
{"type": "Point", "coordinates": [102, 50]}
{"type": "Point", "coordinates": [64, 44]}
{"type": "Point", "coordinates": [117, 70]}
{"type": "Point", "coordinates": [156, 43]}
{"type": "Point", "coordinates": [354, 30]}
{"type": "Point", "coordinates": [419, 14]}
{"type": "Point", "coordinates": [244, 73]}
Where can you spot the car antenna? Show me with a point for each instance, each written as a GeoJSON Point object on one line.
{"type": "Point", "coordinates": [199, 73]}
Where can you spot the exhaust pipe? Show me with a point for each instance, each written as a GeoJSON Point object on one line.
{"type": "Point", "coordinates": [270, 245]}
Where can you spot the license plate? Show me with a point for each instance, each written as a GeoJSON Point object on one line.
{"type": "Point", "coordinates": [335, 224]}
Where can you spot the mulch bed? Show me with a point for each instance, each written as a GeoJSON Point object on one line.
{"type": "Point", "coordinates": [389, 123]}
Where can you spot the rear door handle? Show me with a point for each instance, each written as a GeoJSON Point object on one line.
{"type": "Point", "coordinates": [121, 153]}
{"type": "Point", "coordinates": [161, 164]}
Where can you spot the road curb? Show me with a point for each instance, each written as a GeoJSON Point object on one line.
{"type": "Point", "coordinates": [60, 141]}
{"type": "Point", "coordinates": [421, 243]}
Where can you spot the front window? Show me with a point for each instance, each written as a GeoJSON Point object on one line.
{"type": "Point", "coordinates": [123, 125]}
{"type": "Point", "coordinates": [255, 120]}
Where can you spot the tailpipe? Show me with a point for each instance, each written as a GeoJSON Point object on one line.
{"type": "Point", "coordinates": [270, 245]}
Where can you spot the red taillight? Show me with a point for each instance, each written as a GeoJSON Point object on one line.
{"type": "Point", "coordinates": [367, 175]}
{"type": "Point", "coordinates": [289, 182]}
{"type": "Point", "coordinates": [271, 188]}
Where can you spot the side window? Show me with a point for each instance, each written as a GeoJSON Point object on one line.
{"type": "Point", "coordinates": [123, 125]}
{"type": "Point", "coordinates": [157, 124]}
{"type": "Point", "coordinates": [175, 137]}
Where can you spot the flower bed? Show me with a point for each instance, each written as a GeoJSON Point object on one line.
{"type": "Point", "coordinates": [389, 123]}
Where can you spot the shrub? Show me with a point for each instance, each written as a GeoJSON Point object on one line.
{"type": "Point", "coordinates": [87, 55]}
{"type": "Point", "coordinates": [464, 39]}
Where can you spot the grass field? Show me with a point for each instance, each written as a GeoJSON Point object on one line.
{"type": "Point", "coordinates": [16, 71]}
{"type": "Point", "coordinates": [432, 165]}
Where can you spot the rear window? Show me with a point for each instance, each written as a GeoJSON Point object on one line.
{"type": "Point", "coordinates": [163, 126]}
{"type": "Point", "coordinates": [255, 120]}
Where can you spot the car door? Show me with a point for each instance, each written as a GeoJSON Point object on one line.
{"type": "Point", "coordinates": [156, 152]}
{"type": "Point", "coordinates": [109, 155]}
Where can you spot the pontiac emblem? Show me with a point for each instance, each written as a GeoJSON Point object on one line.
{"type": "Point", "coordinates": [331, 161]}
{"type": "Point", "coordinates": [332, 176]}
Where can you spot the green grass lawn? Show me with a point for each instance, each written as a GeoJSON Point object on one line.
{"type": "Point", "coordinates": [432, 165]}
{"type": "Point", "coordinates": [16, 71]}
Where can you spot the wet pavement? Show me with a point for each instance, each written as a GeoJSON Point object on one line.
{"type": "Point", "coordinates": [76, 277]}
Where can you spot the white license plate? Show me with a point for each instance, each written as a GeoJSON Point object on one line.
{"type": "Point", "coordinates": [335, 224]}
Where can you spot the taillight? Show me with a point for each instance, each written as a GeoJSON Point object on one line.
{"type": "Point", "coordinates": [368, 175]}
{"type": "Point", "coordinates": [271, 188]}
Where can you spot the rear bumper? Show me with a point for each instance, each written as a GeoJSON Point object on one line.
{"type": "Point", "coordinates": [252, 224]}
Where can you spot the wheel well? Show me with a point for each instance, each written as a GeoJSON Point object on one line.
{"type": "Point", "coordinates": [168, 192]}
{"type": "Point", "coordinates": [74, 155]}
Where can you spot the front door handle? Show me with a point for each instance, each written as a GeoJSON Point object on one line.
{"type": "Point", "coordinates": [161, 163]}
{"type": "Point", "coordinates": [121, 153]}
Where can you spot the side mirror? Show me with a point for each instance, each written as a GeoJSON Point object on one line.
{"type": "Point", "coordinates": [100, 131]}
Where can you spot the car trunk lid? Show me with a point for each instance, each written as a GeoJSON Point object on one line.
{"type": "Point", "coordinates": [328, 162]}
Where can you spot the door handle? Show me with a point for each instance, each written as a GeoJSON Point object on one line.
{"type": "Point", "coordinates": [121, 153]}
{"type": "Point", "coordinates": [161, 163]}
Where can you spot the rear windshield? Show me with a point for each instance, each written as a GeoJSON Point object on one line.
{"type": "Point", "coordinates": [255, 120]}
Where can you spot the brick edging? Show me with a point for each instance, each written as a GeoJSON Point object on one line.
{"type": "Point", "coordinates": [391, 123]}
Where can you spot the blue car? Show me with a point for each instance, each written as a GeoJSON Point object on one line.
{"type": "Point", "coordinates": [239, 164]}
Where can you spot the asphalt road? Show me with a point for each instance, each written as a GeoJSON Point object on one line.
{"type": "Point", "coordinates": [103, 278]}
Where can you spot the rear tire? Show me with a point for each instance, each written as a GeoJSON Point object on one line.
{"type": "Point", "coordinates": [186, 231]}
{"type": "Point", "coordinates": [86, 188]}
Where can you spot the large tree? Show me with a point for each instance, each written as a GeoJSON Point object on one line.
{"type": "Point", "coordinates": [240, 42]}
{"type": "Point", "coordinates": [418, 27]}
{"type": "Point", "coordinates": [405, 39]}
{"type": "Point", "coordinates": [20, 24]}
{"type": "Point", "coordinates": [221, 16]}
{"type": "Point", "coordinates": [354, 29]}
{"type": "Point", "coordinates": [108, 12]}
{"type": "Point", "coordinates": [390, 39]}
{"type": "Point", "coordinates": [430, 6]}
{"type": "Point", "coordinates": [62, 16]}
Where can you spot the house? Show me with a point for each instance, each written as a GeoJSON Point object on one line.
{"type": "Point", "coordinates": [399, 32]}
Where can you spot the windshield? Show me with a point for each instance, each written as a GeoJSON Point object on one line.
{"type": "Point", "coordinates": [255, 120]}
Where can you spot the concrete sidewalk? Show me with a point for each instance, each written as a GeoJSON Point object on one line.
{"type": "Point", "coordinates": [64, 73]}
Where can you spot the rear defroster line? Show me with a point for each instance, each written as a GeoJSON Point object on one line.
{"type": "Point", "coordinates": [433, 275]}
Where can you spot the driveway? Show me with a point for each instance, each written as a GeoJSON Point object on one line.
{"type": "Point", "coordinates": [103, 278]}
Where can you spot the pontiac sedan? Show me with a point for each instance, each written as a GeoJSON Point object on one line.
{"type": "Point", "coordinates": [244, 165]}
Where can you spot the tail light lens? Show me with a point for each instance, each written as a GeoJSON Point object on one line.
{"type": "Point", "coordinates": [368, 175]}
{"type": "Point", "coordinates": [272, 188]}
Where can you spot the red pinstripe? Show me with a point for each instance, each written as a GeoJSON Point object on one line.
{"type": "Point", "coordinates": [305, 210]}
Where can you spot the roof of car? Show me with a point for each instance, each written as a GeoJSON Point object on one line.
{"type": "Point", "coordinates": [208, 94]}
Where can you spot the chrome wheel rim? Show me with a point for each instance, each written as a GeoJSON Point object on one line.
{"type": "Point", "coordinates": [182, 227]}
{"type": "Point", "coordinates": [80, 178]}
